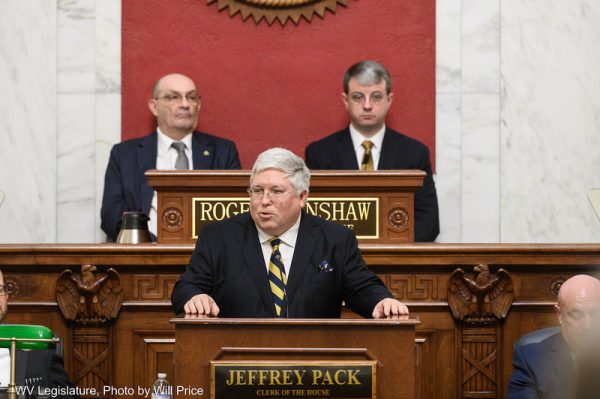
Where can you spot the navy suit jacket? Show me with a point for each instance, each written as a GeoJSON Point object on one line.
{"type": "Point", "coordinates": [228, 264]}
{"type": "Point", "coordinates": [43, 367]}
{"type": "Point", "coordinates": [542, 370]}
{"type": "Point", "coordinates": [398, 151]}
{"type": "Point", "coordinates": [126, 187]}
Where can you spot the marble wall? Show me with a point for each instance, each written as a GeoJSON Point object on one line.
{"type": "Point", "coordinates": [60, 116]}
{"type": "Point", "coordinates": [518, 118]}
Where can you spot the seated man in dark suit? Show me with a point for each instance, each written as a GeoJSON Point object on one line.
{"type": "Point", "coordinates": [367, 144]}
{"type": "Point", "coordinates": [43, 368]}
{"type": "Point", "coordinates": [277, 260]}
{"type": "Point", "coordinates": [174, 145]}
{"type": "Point", "coordinates": [548, 369]}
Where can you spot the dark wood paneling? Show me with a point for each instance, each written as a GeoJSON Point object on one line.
{"type": "Point", "coordinates": [418, 274]}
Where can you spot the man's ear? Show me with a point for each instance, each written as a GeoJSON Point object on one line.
{"type": "Point", "coordinates": [303, 198]}
{"type": "Point", "coordinates": [558, 313]}
{"type": "Point", "coordinates": [345, 100]}
{"type": "Point", "coordinates": [152, 106]}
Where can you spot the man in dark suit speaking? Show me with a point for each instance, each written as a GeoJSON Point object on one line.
{"type": "Point", "coordinates": [367, 144]}
{"type": "Point", "coordinates": [43, 368]}
{"type": "Point", "coordinates": [174, 145]}
{"type": "Point", "coordinates": [279, 261]}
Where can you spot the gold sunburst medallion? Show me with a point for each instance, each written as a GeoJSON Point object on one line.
{"type": "Point", "coordinates": [280, 10]}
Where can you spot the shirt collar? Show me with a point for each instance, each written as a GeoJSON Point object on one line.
{"type": "Point", "coordinates": [288, 238]}
{"type": "Point", "coordinates": [164, 141]}
{"type": "Point", "coordinates": [358, 138]}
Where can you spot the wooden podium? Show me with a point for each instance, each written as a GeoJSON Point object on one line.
{"type": "Point", "coordinates": [378, 206]}
{"type": "Point", "coordinates": [203, 346]}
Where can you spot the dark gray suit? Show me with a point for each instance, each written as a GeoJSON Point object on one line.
{"type": "Point", "coordinates": [228, 265]}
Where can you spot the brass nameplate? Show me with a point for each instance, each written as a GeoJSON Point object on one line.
{"type": "Point", "coordinates": [359, 214]}
{"type": "Point", "coordinates": [287, 379]}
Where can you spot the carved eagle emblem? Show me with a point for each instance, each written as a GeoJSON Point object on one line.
{"type": "Point", "coordinates": [88, 298]}
{"type": "Point", "coordinates": [481, 297]}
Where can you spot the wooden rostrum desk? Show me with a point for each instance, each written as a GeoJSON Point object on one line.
{"type": "Point", "coordinates": [378, 206]}
{"type": "Point", "coordinates": [452, 358]}
{"type": "Point", "coordinates": [338, 358]}
{"type": "Point", "coordinates": [125, 338]}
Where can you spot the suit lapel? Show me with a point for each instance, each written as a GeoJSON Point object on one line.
{"type": "Point", "coordinates": [146, 156]}
{"type": "Point", "coordinates": [345, 151]}
{"type": "Point", "coordinates": [563, 366]}
{"type": "Point", "coordinates": [305, 245]}
{"type": "Point", "coordinates": [248, 239]}
{"type": "Point", "coordinates": [391, 149]}
{"type": "Point", "coordinates": [202, 151]}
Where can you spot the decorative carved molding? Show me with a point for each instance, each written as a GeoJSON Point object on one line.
{"type": "Point", "coordinates": [555, 285]}
{"type": "Point", "coordinates": [398, 218]}
{"type": "Point", "coordinates": [172, 218]}
{"type": "Point", "coordinates": [92, 348]}
{"type": "Point", "coordinates": [280, 10]}
{"type": "Point", "coordinates": [479, 363]}
{"type": "Point", "coordinates": [150, 286]}
{"type": "Point", "coordinates": [87, 298]}
{"type": "Point", "coordinates": [11, 285]}
{"type": "Point", "coordinates": [480, 299]}
{"type": "Point", "coordinates": [413, 287]}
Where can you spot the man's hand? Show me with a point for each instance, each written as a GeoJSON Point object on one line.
{"type": "Point", "coordinates": [389, 307]}
{"type": "Point", "coordinates": [201, 304]}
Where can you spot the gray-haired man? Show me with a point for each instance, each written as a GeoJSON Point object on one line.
{"type": "Point", "coordinates": [278, 261]}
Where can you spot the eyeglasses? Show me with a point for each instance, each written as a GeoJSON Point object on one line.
{"type": "Point", "coordinates": [177, 98]}
{"type": "Point", "coordinates": [359, 98]}
{"type": "Point", "coordinates": [4, 291]}
{"type": "Point", "coordinates": [259, 193]}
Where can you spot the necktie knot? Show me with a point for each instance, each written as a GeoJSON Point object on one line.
{"type": "Point", "coordinates": [367, 161]}
{"type": "Point", "coordinates": [178, 145]}
{"type": "Point", "coordinates": [181, 162]}
{"type": "Point", "coordinates": [275, 242]}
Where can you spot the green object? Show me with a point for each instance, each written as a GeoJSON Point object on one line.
{"type": "Point", "coordinates": [24, 332]}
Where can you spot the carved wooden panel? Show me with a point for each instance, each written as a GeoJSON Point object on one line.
{"type": "Point", "coordinates": [479, 362]}
{"type": "Point", "coordinates": [92, 355]}
{"type": "Point", "coordinates": [152, 286]}
{"type": "Point", "coordinates": [418, 274]}
{"type": "Point", "coordinates": [413, 287]}
{"type": "Point", "coordinates": [154, 349]}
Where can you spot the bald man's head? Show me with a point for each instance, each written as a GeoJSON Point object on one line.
{"type": "Point", "coordinates": [176, 104]}
{"type": "Point", "coordinates": [578, 309]}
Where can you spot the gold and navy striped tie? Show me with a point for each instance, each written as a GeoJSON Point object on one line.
{"type": "Point", "coordinates": [277, 278]}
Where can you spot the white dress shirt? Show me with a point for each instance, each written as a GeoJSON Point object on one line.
{"type": "Point", "coordinates": [359, 150]}
{"type": "Point", "coordinates": [4, 367]}
{"type": "Point", "coordinates": [286, 248]}
{"type": "Point", "coordinates": [165, 160]}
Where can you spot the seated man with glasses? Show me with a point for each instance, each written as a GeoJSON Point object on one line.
{"type": "Point", "coordinates": [367, 144]}
{"type": "Point", "coordinates": [175, 144]}
{"type": "Point", "coordinates": [277, 260]}
{"type": "Point", "coordinates": [36, 368]}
